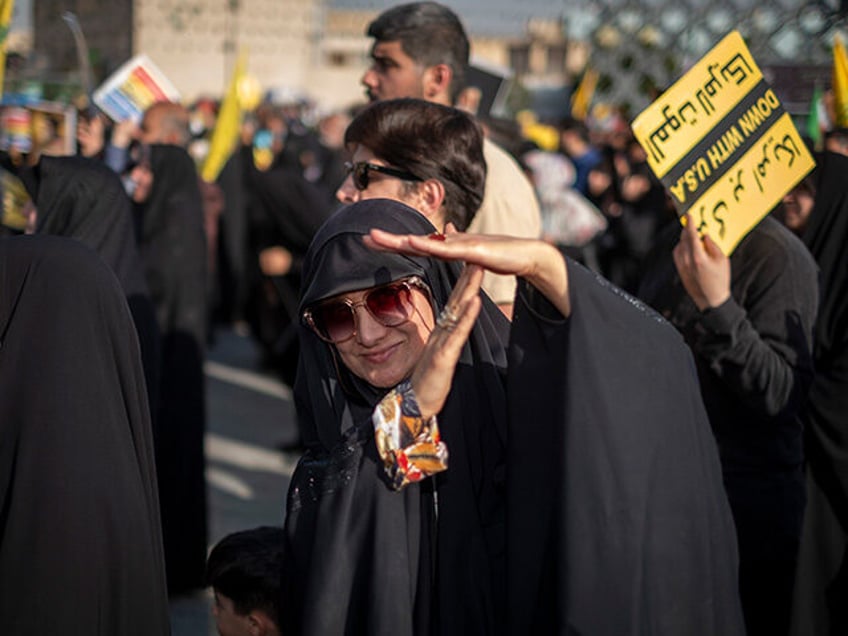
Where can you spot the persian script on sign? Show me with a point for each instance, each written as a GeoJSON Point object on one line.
{"type": "Point", "coordinates": [722, 144]}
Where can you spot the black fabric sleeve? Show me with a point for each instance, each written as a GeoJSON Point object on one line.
{"type": "Point", "coordinates": [761, 352]}
{"type": "Point", "coordinates": [826, 431]}
{"type": "Point", "coordinates": [615, 504]}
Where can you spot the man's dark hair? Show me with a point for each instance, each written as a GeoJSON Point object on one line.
{"type": "Point", "coordinates": [429, 33]}
{"type": "Point", "coordinates": [247, 567]}
{"type": "Point", "coordinates": [575, 125]}
{"type": "Point", "coordinates": [839, 134]}
{"type": "Point", "coordinates": [431, 141]}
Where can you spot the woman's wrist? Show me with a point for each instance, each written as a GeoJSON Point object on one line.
{"type": "Point", "coordinates": [550, 276]}
{"type": "Point", "coordinates": [409, 445]}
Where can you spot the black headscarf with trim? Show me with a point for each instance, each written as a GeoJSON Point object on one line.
{"type": "Point", "coordinates": [363, 557]}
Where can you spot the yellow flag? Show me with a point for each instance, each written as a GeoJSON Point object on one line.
{"type": "Point", "coordinates": [840, 82]}
{"type": "Point", "coordinates": [226, 133]}
{"type": "Point", "coordinates": [5, 20]}
{"type": "Point", "coordinates": [544, 136]}
{"type": "Point", "coordinates": [581, 99]}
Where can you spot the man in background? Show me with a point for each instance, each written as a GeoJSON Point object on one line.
{"type": "Point", "coordinates": [421, 50]}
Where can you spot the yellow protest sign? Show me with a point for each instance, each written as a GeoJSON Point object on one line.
{"type": "Point", "coordinates": [722, 144]}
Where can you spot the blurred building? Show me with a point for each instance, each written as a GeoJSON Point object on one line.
{"type": "Point", "coordinates": [295, 47]}
{"type": "Point", "coordinates": [19, 40]}
{"type": "Point", "coordinates": [315, 49]}
{"type": "Point", "coordinates": [194, 42]}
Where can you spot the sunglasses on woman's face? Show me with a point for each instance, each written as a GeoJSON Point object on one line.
{"type": "Point", "coordinates": [391, 305]}
{"type": "Point", "coordinates": [360, 169]}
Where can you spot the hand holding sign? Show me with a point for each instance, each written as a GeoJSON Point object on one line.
{"type": "Point", "coordinates": [703, 267]}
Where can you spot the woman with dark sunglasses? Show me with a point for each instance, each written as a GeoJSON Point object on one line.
{"type": "Point", "coordinates": [426, 155]}
{"type": "Point", "coordinates": [462, 475]}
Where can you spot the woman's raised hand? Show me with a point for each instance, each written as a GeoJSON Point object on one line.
{"type": "Point", "coordinates": [540, 263]}
{"type": "Point", "coordinates": [433, 374]}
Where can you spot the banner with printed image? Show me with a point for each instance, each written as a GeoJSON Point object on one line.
{"type": "Point", "coordinates": [39, 128]}
{"type": "Point", "coordinates": [137, 84]}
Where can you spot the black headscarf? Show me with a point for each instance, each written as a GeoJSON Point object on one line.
{"type": "Point", "coordinates": [822, 575]}
{"type": "Point", "coordinates": [84, 200]}
{"type": "Point", "coordinates": [361, 552]}
{"type": "Point", "coordinates": [286, 208]}
{"type": "Point", "coordinates": [80, 544]}
{"type": "Point", "coordinates": [172, 243]}
{"type": "Point", "coordinates": [604, 513]}
{"type": "Point", "coordinates": [825, 236]}
{"type": "Point", "coordinates": [173, 251]}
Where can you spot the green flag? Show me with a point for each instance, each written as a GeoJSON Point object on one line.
{"type": "Point", "coordinates": [814, 123]}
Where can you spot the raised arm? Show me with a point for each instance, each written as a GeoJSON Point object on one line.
{"type": "Point", "coordinates": [538, 262]}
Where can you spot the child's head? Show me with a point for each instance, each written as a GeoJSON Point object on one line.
{"type": "Point", "coordinates": [245, 570]}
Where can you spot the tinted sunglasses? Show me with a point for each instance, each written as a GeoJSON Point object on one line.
{"type": "Point", "coordinates": [391, 305]}
{"type": "Point", "coordinates": [360, 169]}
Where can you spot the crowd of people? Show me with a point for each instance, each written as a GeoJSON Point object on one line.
{"type": "Point", "coordinates": [530, 399]}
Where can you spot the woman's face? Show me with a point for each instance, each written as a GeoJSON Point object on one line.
{"type": "Point", "coordinates": [798, 204]}
{"type": "Point", "coordinates": [384, 356]}
{"type": "Point", "coordinates": [142, 179]}
{"type": "Point", "coordinates": [380, 186]}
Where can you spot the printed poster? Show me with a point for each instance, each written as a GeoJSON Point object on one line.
{"type": "Point", "coordinates": [16, 199]}
{"type": "Point", "coordinates": [137, 84]}
{"type": "Point", "coordinates": [42, 128]}
{"type": "Point", "coordinates": [722, 144]}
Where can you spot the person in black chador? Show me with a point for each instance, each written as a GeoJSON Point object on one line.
{"type": "Point", "coordinates": [571, 478]}
{"type": "Point", "coordinates": [749, 321]}
{"type": "Point", "coordinates": [84, 200]}
{"type": "Point", "coordinates": [172, 244]}
{"type": "Point", "coordinates": [285, 210]}
{"type": "Point", "coordinates": [821, 585]}
{"type": "Point", "coordinates": [80, 543]}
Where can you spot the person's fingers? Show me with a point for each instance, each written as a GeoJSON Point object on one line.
{"type": "Point", "coordinates": [684, 244]}
{"type": "Point", "coordinates": [690, 232]}
{"type": "Point", "coordinates": [446, 342]}
{"type": "Point", "coordinates": [450, 228]}
{"type": "Point", "coordinates": [383, 241]}
{"type": "Point", "coordinates": [448, 247]}
{"type": "Point", "coordinates": [471, 276]}
{"type": "Point", "coordinates": [694, 243]}
{"type": "Point", "coordinates": [468, 311]}
{"type": "Point", "coordinates": [438, 246]}
{"type": "Point", "coordinates": [711, 247]}
{"type": "Point", "coordinates": [679, 256]}
{"type": "Point", "coordinates": [381, 238]}
{"type": "Point", "coordinates": [434, 372]}
{"type": "Point", "coordinates": [465, 289]}
{"type": "Point", "coordinates": [433, 376]}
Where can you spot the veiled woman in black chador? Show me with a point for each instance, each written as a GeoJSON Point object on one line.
{"type": "Point", "coordinates": [569, 483]}
{"type": "Point", "coordinates": [821, 583]}
{"type": "Point", "coordinates": [80, 542]}
{"type": "Point", "coordinates": [84, 200]}
{"type": "Point", "coordinates": [172, 245]}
